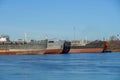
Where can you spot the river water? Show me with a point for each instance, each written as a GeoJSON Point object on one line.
{"type": "Point", "coordinates": [105, 66]}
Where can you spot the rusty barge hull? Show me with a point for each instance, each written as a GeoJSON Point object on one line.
{"type": "Point", "coordinates": [30, 52]}
{"type": "Point", "coordinates": [21, 52]}
{"type": "Point", "coordinates": [53, 51]}
{"type": "Point", "coordinates": [87, 50]}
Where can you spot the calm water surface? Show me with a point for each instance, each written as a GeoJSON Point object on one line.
{"type": "Point", "coordinates": [61, 67]}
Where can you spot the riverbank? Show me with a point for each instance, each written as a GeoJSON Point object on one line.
{"type": "Point", "coordinates": [114, 46]}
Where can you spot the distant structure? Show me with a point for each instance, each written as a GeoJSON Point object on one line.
{"type": "Point", "coordinates": [74, 33]}
{"type": "Point", "coordinates": [79, 43]}
{"type": "Point", "coordinates": [4, 38]}
{"type": "Point", "coordinates": [25, 37]}
{"type": "Point", "coordinates": [75, 43]}
{"type": "Point", "coordinates": [113, 38]}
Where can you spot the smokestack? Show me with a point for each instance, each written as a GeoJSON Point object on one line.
{"type": "Point", "coordinates": [74, 28]}
{"type": "Point", "coordinates": [25, 37]}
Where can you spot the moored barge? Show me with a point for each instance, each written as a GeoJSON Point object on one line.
{"type": "Point", "coordinates": [92, 47]}
{"type": "Point", "coordinates": [32, 47]}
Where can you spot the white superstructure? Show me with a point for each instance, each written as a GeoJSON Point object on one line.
{"type": "Point", "coordinates": [4, 38]}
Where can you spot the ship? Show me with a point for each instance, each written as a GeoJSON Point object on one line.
{"type": "Point", "coordinates": [91, 47]}
{"type": "Point", "coordinates": [32, 47]}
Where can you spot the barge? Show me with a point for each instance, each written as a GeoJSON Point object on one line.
{"type": "Point", "coordinates": [33, 47]}
{"type": "Point", "coordinates": [92, 47]}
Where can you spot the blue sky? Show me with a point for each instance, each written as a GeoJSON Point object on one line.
{"type": "Point", "coordinates": [93, 19]}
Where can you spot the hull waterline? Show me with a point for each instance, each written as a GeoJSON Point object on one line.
{"type": "Point", "coordinates": [87, 50]}
{"type": "Point", "coordinates": [21, 52]}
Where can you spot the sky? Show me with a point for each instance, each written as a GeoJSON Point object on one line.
{"type": "Point", "coordinates": [60, 19]}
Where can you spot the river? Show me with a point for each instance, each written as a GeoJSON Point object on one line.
{"type": "Point", "coordinates": [103, 66]}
